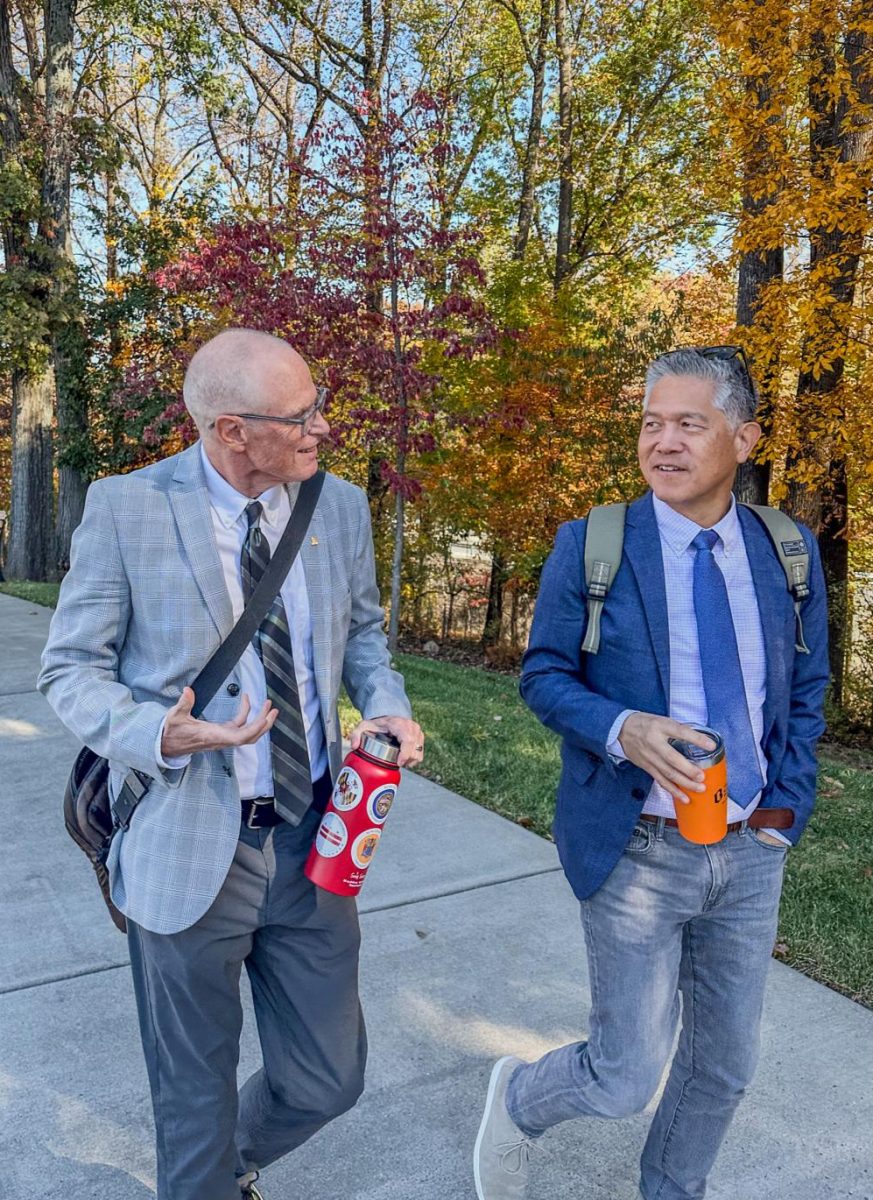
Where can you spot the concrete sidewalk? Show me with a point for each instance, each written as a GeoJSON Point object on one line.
{"type": "Point", "coordinates": [472, 949]}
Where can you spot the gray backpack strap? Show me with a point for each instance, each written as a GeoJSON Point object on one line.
{"type": "Point", "coordinates": [793, 555]}
{"type": "Point", "coordinates": [604, 539]}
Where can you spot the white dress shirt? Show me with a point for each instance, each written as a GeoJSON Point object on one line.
{"type": "Point", "coordinates": [687, 702]}
{"type": "Point", "coordinates": [252, 764]}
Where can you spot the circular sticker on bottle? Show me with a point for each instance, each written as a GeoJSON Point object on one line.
{"type": "Point", "coordinates": [348, 790]}
{"type": "Point", "coordinates": [332, 836]}
{"type": "Point", "coordinates": [364, 847]}
{"type": "Point", "coordinates": [380, 803]}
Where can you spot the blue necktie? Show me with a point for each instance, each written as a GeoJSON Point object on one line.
{"type": "Point", "coordinates": [728, 712]}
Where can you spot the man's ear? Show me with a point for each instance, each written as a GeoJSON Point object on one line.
{"type": "Point", "coordinates": [746, 439]}
{"type": "Point", "coordinates": [230, 433]}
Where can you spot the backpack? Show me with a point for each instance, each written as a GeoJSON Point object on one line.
{"type": "Point", "coordinates": [604, 540]}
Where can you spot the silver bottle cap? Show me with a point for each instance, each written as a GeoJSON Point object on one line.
{"type": "Point", "coordinates": [700, 757]}
{"type": "Point", "coordinates": [381, 746]}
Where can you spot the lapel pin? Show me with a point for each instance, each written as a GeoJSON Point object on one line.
{"type": "Point", "coordinates": [313, 541]}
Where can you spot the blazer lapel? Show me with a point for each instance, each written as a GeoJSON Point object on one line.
{"type": "Point", "coordinates": [769, 579]}
{"type": "Point", "coordinates": [642, 545]}
{"type": "Point", "coordinates": [190, 501]}
{"type": "Point", "coordinates": [315, 556]}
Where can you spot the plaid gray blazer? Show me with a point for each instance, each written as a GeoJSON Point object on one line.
{"type": "Point", "coordinates": [141, 610]}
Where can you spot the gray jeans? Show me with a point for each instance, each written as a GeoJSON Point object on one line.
{"type": "Point", "coordinates": [672, 918]}
{"type": "Point", "coordinates": [300, 948]}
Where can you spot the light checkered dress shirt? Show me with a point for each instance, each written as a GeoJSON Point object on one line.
{"type": "Point", "coordinates": [687, 697]}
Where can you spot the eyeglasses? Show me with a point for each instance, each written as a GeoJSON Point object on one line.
{"type": "Point", "coordinates": [305, 422]}
{"type": "Point", "coordinates": [725, 353]}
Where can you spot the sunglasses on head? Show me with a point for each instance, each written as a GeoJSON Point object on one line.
{"type": "Point", "coordinates": [725, 353]}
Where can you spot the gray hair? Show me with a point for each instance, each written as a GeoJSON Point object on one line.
{"type": "Point", "coordinates": [223, 375]}
{"type": "Point", "coordinates": [733, 394]}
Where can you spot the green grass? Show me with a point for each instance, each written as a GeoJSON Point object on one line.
{"type": "Point", "coordinates": [483, 743]}
{"type": "Point", "coordinates": [36, 593]}
{"type": "Point", "coordinates": [826, 923]}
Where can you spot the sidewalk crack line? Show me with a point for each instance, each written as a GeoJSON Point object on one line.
{"type": "Point", "coordinates": [458, 891]}
{"type": "Point", "coordinates": [50, 979]}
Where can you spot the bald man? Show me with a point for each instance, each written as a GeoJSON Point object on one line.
{"type": "Point", "coordinates": [210, 871]}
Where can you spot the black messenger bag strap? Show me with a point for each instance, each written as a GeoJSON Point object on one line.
{"type": "Point", "coordinates": [231, 649]}
{"type": "Point", "coordinates": [219, 666]}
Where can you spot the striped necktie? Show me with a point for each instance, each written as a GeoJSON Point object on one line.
{"type": "Point", "coordinates": [292, 780]}
{"type": "Point", "coordinates": [727, 709]}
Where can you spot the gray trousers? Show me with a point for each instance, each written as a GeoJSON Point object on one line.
{"type": "Point", "coordinates": [299, 945]}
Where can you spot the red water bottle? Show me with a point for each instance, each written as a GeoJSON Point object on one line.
{"type": "Point", "coordinates": [350, 829]}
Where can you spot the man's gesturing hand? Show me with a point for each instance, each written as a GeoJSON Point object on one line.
{"type": "Point", "coordinates": [644, 740]}
{"type": "Point", "coordinates": [407, 732]}
{"type": "Point", "coordinates": [184, 734]}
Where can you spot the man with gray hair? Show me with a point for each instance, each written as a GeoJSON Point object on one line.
{"type": "Point", "coordinates": [209, 873]}
{"type": "Point", "coordinates": [698, 629]}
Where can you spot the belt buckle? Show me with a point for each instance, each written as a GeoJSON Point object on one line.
{"type": "Point", "coordinates": [253, 812]}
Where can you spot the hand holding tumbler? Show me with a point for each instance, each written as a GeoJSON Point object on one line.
{"type": "Point", "coordinates": [704, 819]}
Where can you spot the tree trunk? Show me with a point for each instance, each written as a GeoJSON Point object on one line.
{"type": "Point", "coordinates": [840, 132]}
{"type": "Point", "coordinates": [763, 264]}
{"type": "Point", "coordinates": [534, 136]}
{"type": "Point", "coordinates": [73, 437]}
{"type": "Point", "coordinates": [372, 71]}
{"type": "Point", "coordinates": [563, 43]}
{"type": "Point", "coordinates": [373, 135]}
{"type": "Point", "coordinates": [494, 611]}
{"type": "Point", "coordinates": [752, 484]}
{"type": "Point", "coordinates": [757, 269]}
{"type": "Point", "coordinates": [419, 580]}
{"type": "Point", "coordinates": [69, 342]}
{"type": "Point", "coordinates": [448, 616]}
{"type": "Point", "coordinates": [825, 510]}
{"type": "Point", "coordinates": [396, 573]}
{"type": "Point", "coordinates": [30, 554]}
{"type": "Point", "coordinates": [400, 398]}
{"type": "Point", "coordinates": [833, 543]}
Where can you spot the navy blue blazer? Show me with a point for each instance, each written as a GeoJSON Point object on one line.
{"type": "Point", "coordinates": [599, 801]}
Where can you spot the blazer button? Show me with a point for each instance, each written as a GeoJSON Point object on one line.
{"type": "Point", "coordinates": [233, 689]}
{"type": "Point", "coordinates": [638, 794]}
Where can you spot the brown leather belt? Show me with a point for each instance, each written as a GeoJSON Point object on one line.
{"type": "Point", "coordinates": [761, 818]}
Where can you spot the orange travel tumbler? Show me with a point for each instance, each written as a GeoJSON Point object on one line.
{"type": "Point", "coordinates": [704, 820]}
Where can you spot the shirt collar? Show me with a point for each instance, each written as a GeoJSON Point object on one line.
{"type": "Point", "coordinates": [230, 505]}
{"type": "Point", "coordinates": [679, 531]}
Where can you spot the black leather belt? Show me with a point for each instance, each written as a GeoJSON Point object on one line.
{"type": "Point", "coordinates": [260, 812]}
{"type": "Point", "coordinates": [761, 818]}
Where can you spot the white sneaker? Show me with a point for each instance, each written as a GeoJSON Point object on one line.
{"type": "Point", "coordinates": [501, 1156]}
